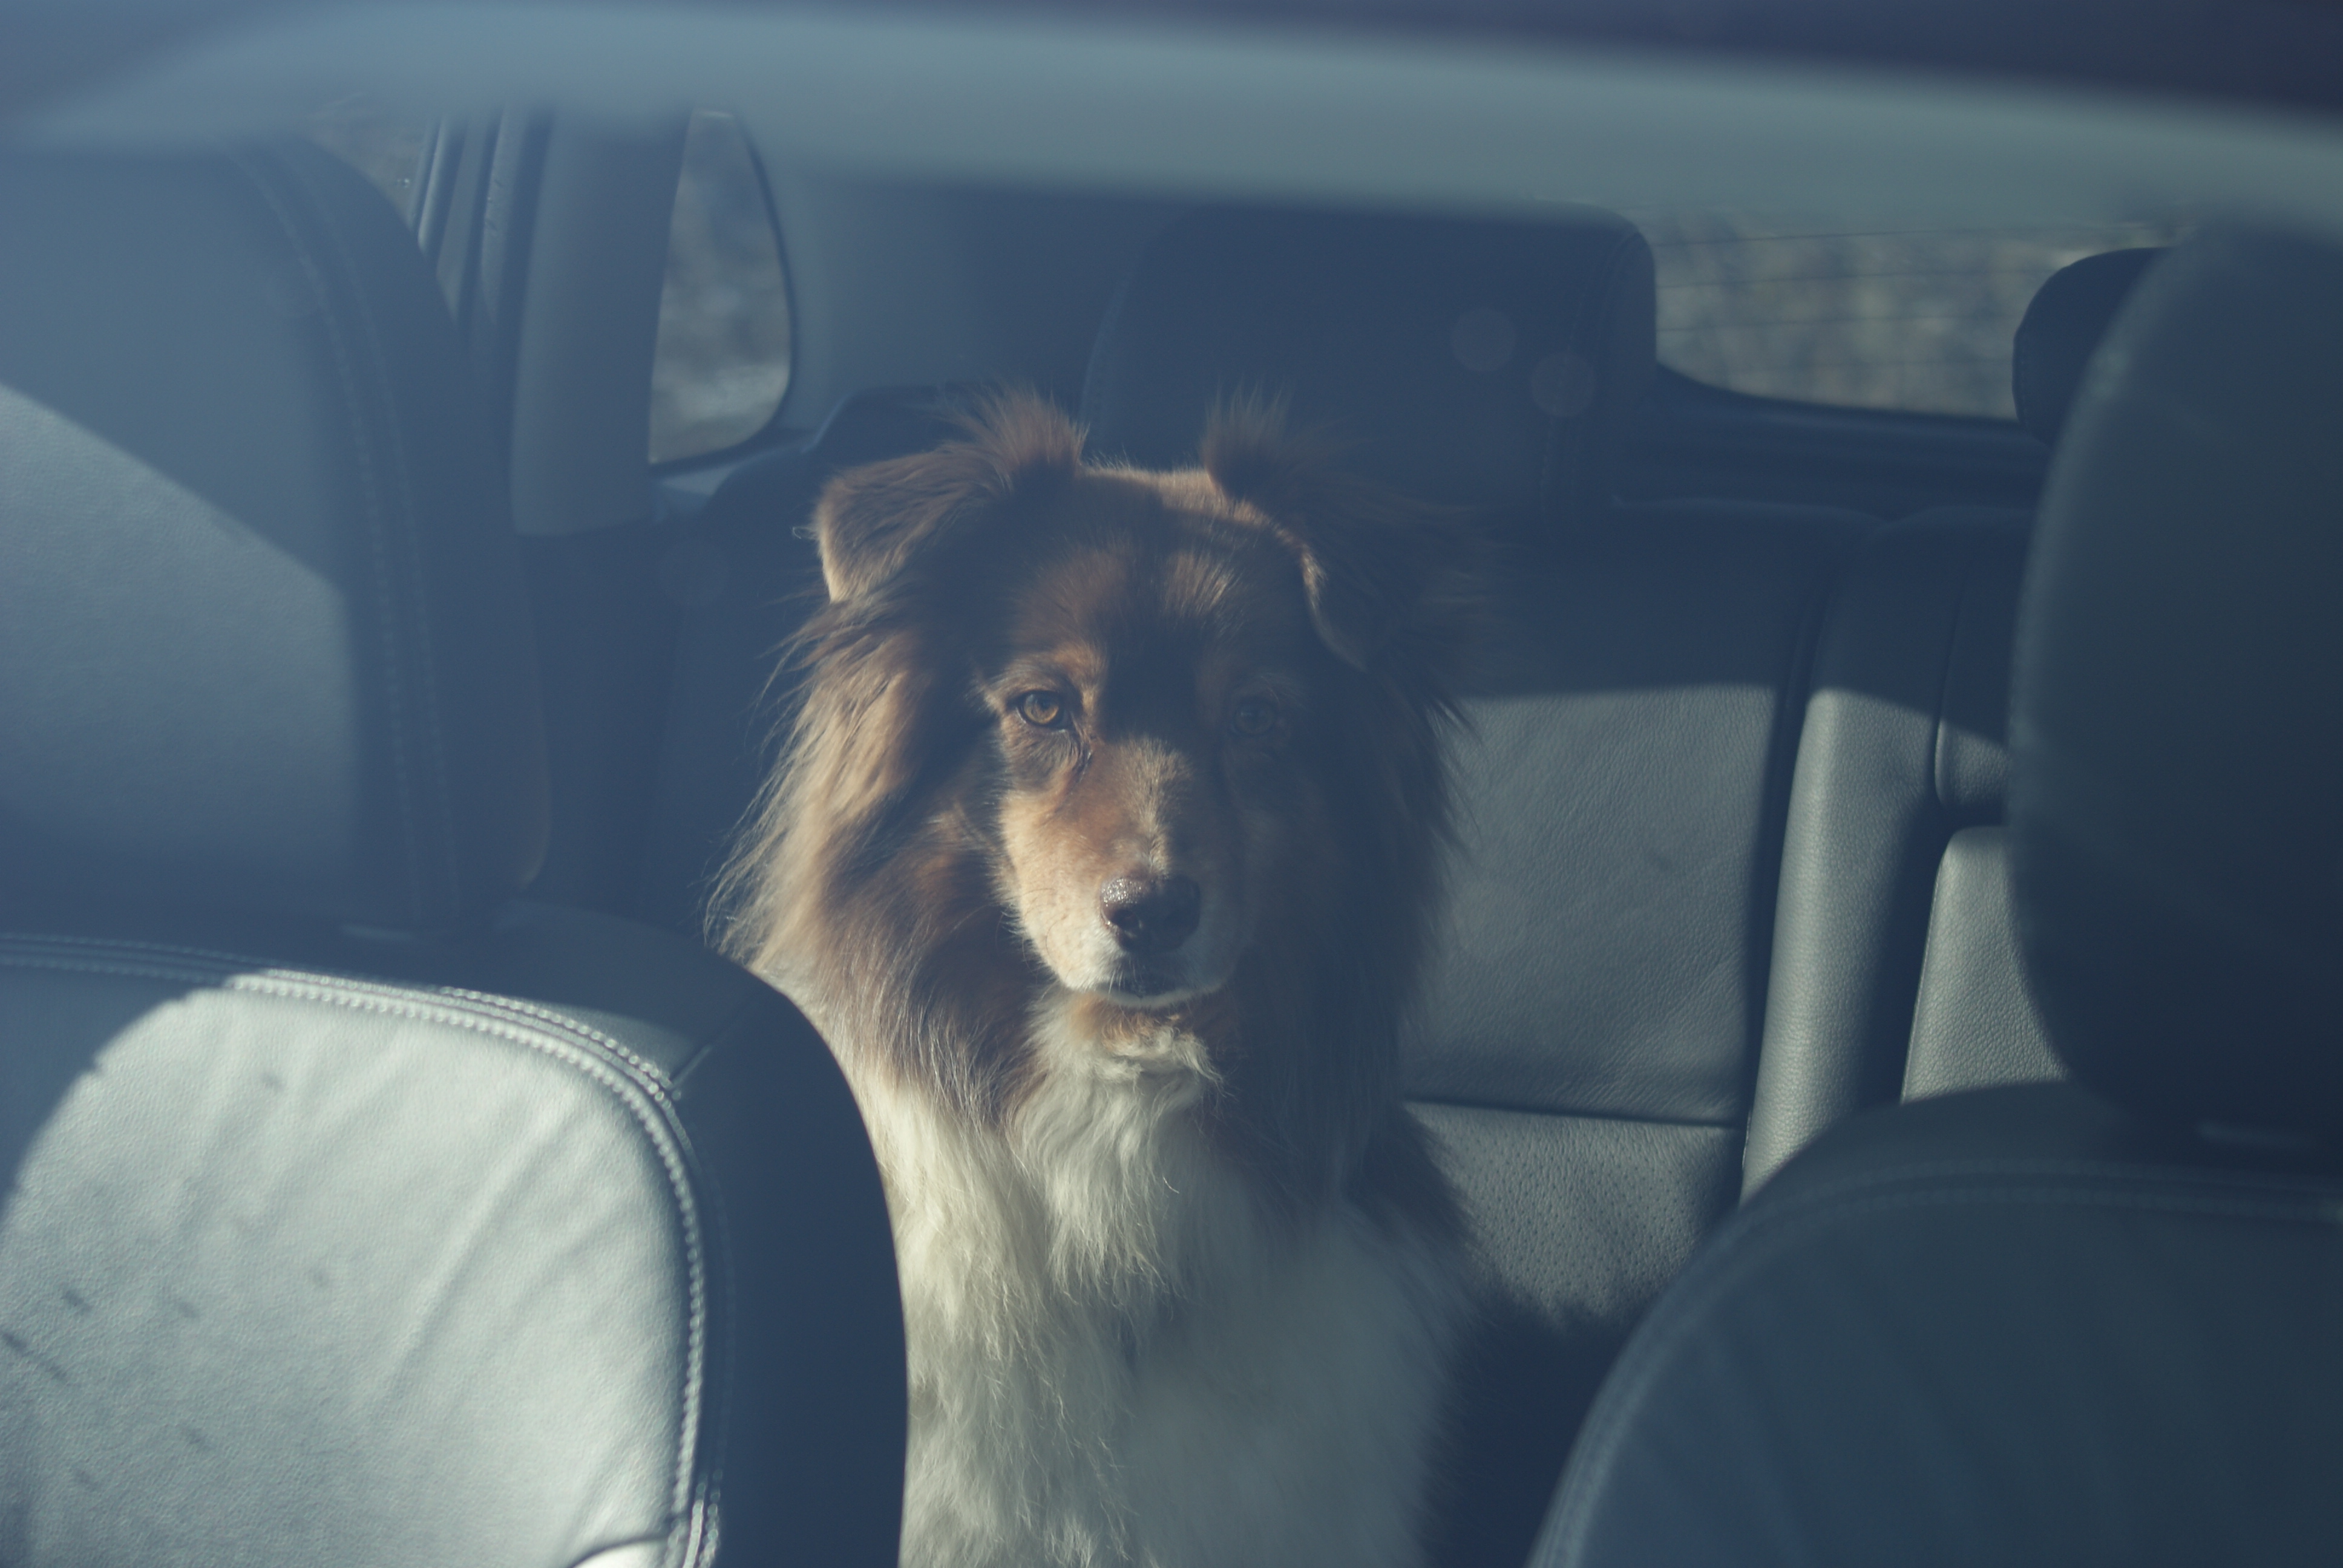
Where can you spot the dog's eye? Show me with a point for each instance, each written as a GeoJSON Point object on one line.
{"type": "Point", "coordinates": [1042, 709]}
{"type": "Point", "coordinates": [1253, 716]}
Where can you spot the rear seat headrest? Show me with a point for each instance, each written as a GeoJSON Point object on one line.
{"type": "Point", "coordinates": [2062, 328]}
{"type": "Point", "coordinates": [1477, 363]}
{"type": "Point", "coordinates": [263, 644]}
{"type": "Point", "coordinates": [2176, 778]}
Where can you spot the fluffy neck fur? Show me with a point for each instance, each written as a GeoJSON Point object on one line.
{"type": "Point", "coordinates": [1096, 1305]}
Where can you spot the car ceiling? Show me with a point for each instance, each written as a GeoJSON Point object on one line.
{"type": "Point", "coordinates": [2272, 51]}
{"type": "Point", "coordinates": [1181, 108]}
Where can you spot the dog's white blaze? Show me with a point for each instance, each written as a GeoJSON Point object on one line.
{"type": "Point", "coordinates": [1118, 1357]}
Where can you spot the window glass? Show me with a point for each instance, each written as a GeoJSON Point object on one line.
{"type": "Point", "coordinates": [388, 151]}
{"type": "Point", "coordinates": [1863, 314]}
{"type": "Point", "coordinates": [723, 356]}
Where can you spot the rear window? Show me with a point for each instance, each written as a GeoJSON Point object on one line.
{"type": "Point", "coordinates": [1861, 315]}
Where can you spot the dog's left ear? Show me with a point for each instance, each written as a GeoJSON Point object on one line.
{"type": "Point", "coordinates": [1389, 579]}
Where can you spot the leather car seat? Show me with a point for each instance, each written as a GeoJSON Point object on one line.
{"type": "Point", "coordinates": [1895, 964]}
{"type": "Point", "coordinates": [358, 1213]}
{"type": "Point", "coordinates": [2087, 1323]}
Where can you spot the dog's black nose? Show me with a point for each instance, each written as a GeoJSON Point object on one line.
{"type": "Point", "coordinates": [1151, 914]}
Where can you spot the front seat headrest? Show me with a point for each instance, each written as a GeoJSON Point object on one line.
{"type": "Point", "coordinates": [237, 443]}
{"type": "Point", "coordinates": [2177, 796]}
{"type": "Point", "coordinates": [1477, 363]}
{"type": "Point", "coordinates": [2062, 328]}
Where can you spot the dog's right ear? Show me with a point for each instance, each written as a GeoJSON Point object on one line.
{"type": "Point", "coordinates": [873, 521]}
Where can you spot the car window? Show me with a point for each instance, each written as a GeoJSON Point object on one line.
{"type": "Point", "coordinates": [1865, 314]}
{"type": "Point", "coordinates": [723, 357]}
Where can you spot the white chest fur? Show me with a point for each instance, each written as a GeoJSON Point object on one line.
{"type": "Point", "coordinates": [1117, 1357]}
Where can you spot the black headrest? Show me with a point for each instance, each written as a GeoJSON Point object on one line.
{"type": "Point", "coordinates": [1471, 362]}
{"type": "Point", "coordinates": [2177, 776]}
{"type": "Point", "coordinates": [2062, 328]}
{"type": "Point", "coordinates": [262, 640]}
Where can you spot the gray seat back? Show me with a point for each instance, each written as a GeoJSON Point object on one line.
{"type": "Point", "coordinates": [2086, 1323]}
{"type": "Point", "coordinates": [358, 1212]}
{"type": "Point", "coordinates": [1895, 964]}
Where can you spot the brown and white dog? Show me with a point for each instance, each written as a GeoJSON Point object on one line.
{"type": "Point", "coordinates": [1103, 855]}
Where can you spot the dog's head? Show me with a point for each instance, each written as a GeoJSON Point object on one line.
{"type": "Point", "coordinates": [1173, 733]}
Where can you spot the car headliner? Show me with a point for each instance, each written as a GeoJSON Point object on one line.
{"type": "Point", "coordinates": [1183, 107]}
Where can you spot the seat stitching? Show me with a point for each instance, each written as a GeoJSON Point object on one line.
{"type": "Point", "coordinates": [660, 1081]}
{"type": "Point", "coordinates": [666, 1138]}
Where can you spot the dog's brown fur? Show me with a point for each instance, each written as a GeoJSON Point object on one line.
{"type": "Point", "coordinates": [1181, 1278]}
{"type": "Point", "coordinates": [922, 839]}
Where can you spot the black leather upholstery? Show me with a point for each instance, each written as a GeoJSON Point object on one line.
{"type": "Point", "coordinates": [1582, 1221]}
{"type": "Point", "coordinates": [2062, 328]}
{"type": "Point", "coordinates": [605, 638]}
{"type": "Point", "coordinates": [1905, 750]}
{"type": "Point", "coordinates": [357, 1214]}
{"type": "Point", "coordinates": [560, 1242]}
{"type": "Point", "coordinates": [1975, 1025]}
{"type": "Point", "coordinates": [1621, 792]}
{"type": "Point", "coordinates": [2008, 1327]}
{"type": "Point", "coordinates": [238, 451]}
{"type": "Point", "coordinates": [2176, 718]}
{"type": "Point", "coordinates": [2026, 1324]}
{"type": "Point", "coordinates": [1903, 747]}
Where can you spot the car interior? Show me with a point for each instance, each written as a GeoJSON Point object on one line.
{"type": "Point", "coordinates": [1884, 1024]}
